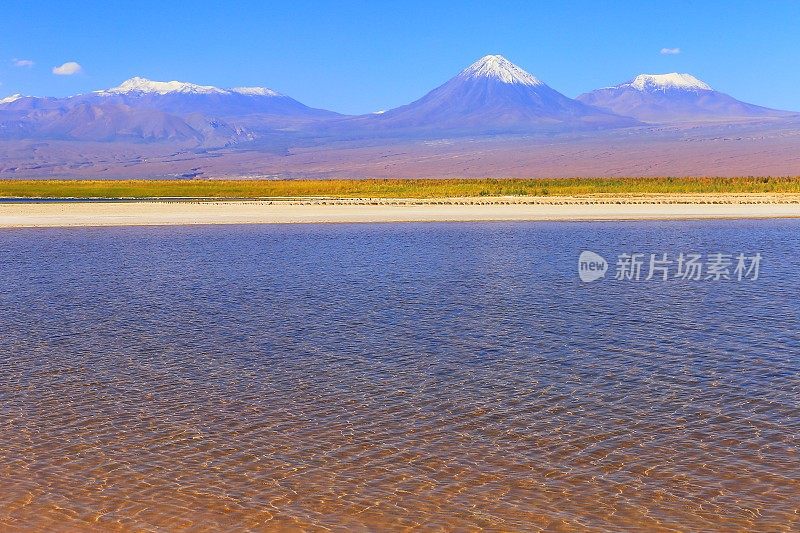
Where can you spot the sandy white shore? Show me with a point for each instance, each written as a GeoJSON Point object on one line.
{"type": "Point", "coordinates": [147, 213]}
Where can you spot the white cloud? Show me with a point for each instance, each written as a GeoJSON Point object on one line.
{"type": "Point", "coordinates": [670, 51]}
{"type": "Point", "coordinates": [67, 69]}
{"type": "Point", "coordinates": [22, 62]}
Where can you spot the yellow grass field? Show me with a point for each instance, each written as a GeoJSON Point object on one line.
{"type": "Point", "coordinates": [391, 188]}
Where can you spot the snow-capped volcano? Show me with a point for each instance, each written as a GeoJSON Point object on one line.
{"type": "Point", "coordinates": [672, 98]}
{"type": "Point", "coordinates": [499, 68]}
{"type": "Point", "coordinates": [494, 95]}
{"type": "Point", "coordinates": [140, 109]}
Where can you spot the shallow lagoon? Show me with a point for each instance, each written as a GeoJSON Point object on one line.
{"type": "Point", "coordinates": [396, 375]}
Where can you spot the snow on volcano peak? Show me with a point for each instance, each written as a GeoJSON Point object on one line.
{"type": "Point", "coordinates": [143, 85]}
{"type": "Point", "coordinates": [500, 68]}
{"type": "Point", "coordinates": [12, 98]}
{"type": "Point", "coordinates": [138, 85]}
{"type": "Point", "coordinates": [663, 82]}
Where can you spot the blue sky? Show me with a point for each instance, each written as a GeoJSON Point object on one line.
{"type": "Point", "coordinates": [358, 57]}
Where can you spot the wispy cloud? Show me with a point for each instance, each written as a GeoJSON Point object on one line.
{"type": "Point", "coordinates": [22, 62]}
{"type": "Point", "coordinates": [67, 69]}
{"type": "Point", "coordinates": [670, 51]}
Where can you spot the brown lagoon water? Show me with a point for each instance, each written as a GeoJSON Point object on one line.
{"type": "Point", "coordinates": [395, 377]}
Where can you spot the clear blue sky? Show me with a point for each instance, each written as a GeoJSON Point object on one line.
{"type": "Point", "coordinates": [357, 57]}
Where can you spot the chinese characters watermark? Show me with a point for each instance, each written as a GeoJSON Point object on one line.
{"type": "Point", "coordinates": [691, 266]}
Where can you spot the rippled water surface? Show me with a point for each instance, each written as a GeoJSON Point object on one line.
{"type": "Point", "coordinates": [396, 376]}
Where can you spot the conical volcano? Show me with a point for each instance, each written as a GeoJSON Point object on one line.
{"type": "Point", "coordinates": [494, 95]}
{"type": "Point", "coordinates": [674, 97]}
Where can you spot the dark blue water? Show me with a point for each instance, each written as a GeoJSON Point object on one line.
{"type": "Point", "coordinates": [392, 376]}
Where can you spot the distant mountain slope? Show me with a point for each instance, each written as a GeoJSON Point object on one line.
{"type": "Point", "coordinates": [116, 122]}
{"type": "Point", "coordinates": [675, 97]}
{"type": "Point", "coordinates": [150, 111]}
{"type": "Point", "coordinates": [494, 95]}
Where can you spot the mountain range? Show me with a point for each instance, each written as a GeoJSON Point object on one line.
{"type": "Point", "coordinates": [489, 99]}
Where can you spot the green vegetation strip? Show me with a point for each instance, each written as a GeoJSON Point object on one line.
{"type": "Point", "coordinates": [391, 188]}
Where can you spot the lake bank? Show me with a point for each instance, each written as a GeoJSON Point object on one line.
{"type": "Point", "coordinates": [183, 211]}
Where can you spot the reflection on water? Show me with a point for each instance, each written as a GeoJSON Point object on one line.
{"type": "Point", "coordinates": [452, 376]}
